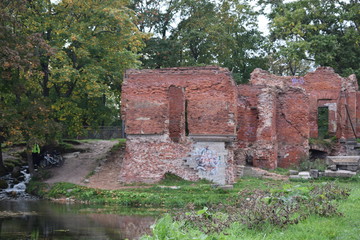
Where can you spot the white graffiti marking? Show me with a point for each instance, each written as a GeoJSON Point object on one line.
{"type": "Point", "coordinates": [207, 160]}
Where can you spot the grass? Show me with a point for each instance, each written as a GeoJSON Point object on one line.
{"type": "Point", "coordinates": [118, 146]}
{"type": "Point", "coordinates": [203, 193]}
{"type": "Point", "coordinates": [316, 227]}
{"type": "Point", "coordinates": [200, 193]}
{"type": "Point", "coordinates": [280, 171]}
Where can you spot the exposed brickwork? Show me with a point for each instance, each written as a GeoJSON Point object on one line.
{"type": "Point", "coordinates": [148, 158]}
{"type": "Point", "coordinates": [185, 120]}
{"type": "Point", "coordinates": [292, 126]}
{"type": "Point", "coordinates": [165, 109]}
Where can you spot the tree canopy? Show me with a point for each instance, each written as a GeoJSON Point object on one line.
{"type": "Point", "coordinates": [61, 66]}
{"type": "Point", "coordinates": [202, 32]}
{"type": "Point", "coordinates": [324, 33]}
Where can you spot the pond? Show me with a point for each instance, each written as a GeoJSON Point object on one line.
{"type": "Point", "coordinates": [40, 219]}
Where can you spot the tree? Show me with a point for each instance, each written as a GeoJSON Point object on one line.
{"type": "Point", "coordinates": [95, 41]}
{"type": "Point", "coordinates": [208, 32]}
{"type": "Point", "coordinates": [323, 32]}
{"type": "Point", "coordinates": [62, 66]}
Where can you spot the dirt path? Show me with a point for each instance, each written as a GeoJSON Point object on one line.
{"type": "Point", "coordinates": [91, 166]}
{"type": "Point", "coordinates": [96, 167]}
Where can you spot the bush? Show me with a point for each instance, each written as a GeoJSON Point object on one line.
{"type": "Point", "coordinates": [307, 164]}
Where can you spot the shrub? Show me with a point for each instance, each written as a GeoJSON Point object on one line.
{"type": "Point", "coordinates": [307, 164]}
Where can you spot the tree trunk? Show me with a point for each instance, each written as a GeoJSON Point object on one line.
{"type": "Point", "coordinates": [2, 167]}
{"type": "Point", "coordinates": [30, 160]}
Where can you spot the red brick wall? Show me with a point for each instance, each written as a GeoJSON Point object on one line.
{"type": "Point", "coordinates": [158, 105]}
{"type": "Point", "coordinates": [292, 126]}
{"type": "Point", "coordinates": [210, 93]}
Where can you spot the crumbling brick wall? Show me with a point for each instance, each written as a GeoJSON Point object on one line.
{"type": "Point", "coordinates": [179, 120]}
{"type": "Point", "coordinates": [292, 126]}
{"type": "Point", "coordinates": [281, 138]}
{"type": "Point", "coordinates": [196, 123]}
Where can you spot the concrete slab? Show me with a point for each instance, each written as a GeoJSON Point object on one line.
{"type": "Point", "coordinates": [339, 173]}
{"type": "Point", "coordinates": [343, 160]}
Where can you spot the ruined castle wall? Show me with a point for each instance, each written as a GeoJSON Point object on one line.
{"type": "Point", "coordinates": [247, 108]}
{"type": "Point", "coordinates": [179, 120]}
{"type": "Point", "coordinates": [292, 126]}
{"type": "Point", "coordinates": [196, 123]}
{"type": "Point", "coordinates": [266, 145]}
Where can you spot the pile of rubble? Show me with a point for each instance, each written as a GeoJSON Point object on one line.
{"type": "Point", "coordinates": [338, 166]}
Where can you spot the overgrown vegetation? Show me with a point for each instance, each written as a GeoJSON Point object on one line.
{"type": "Point", "coordinates": [307, 164]}
{"type": "Point", "coordinates": [252, 209]}
{"type": "Point", "coordinates": [307, 211]}
{"type": "Point", "coordinates": [326, 143]}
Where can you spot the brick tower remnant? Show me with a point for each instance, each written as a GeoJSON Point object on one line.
{"type": "Point", "coordinates": [179, 120]}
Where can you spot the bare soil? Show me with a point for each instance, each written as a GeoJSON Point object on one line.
{"type": "Point", "coordinates": [93, 166]}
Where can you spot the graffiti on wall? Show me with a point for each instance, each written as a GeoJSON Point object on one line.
{"type": "Point", "coordinates": [298, 80]}
{"type": "Point", "coordinates": [207, 160]}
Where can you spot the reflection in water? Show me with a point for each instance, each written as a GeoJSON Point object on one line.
{"type": "Point", "coordinates": [47, 220]}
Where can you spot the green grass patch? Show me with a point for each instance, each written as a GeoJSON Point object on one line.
{"type": "Point", "coordinates": [325, 212]}
{"type": "Point", "coordinates": [118, 146]}
{"type": "Point", "coordinates": [280, 171]}
{"type": "Point", "coordinates": [205, 223]}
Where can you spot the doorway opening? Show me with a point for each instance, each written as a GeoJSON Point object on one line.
{"type": "Point", "coordinates": [323, 122]}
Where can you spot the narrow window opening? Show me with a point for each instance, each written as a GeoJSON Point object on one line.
{"type": "Point", "coordinates": [323, 122]}
{"type": "Point", "coordinates": [176, 113]}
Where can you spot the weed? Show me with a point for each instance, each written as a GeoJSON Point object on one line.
{"type": "Point", "coordinates": [37, 188]}
{"type": "Point", "coordinates": [41, 175]}
{"type": "Point", "coordinates": [281, 171]}
{"type": "Point", "coordinates": [118, 146]}
{"type": "Point", "coordinates": [258, 208]}
{"type": "Point", "coordinates": [307, 164]}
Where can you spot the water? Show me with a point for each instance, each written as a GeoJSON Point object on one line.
{"type": "Point", "coordinates": [23, 216]}
{"type": "Point", "coordinates": [16, 190]}
{"type": "Point", "coordinates": [40, 219]}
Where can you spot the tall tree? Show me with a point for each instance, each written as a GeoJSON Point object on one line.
{"type": "Point", "coordinates": [208, 32]}
{"type": "Point", "coordinates": [19, 102]}
{"type": "Point", "coordinates": [323, 32]}
{"type": "Point", "coordinates": [95, 42]}
{"type": "Point", "coordinates": [62, 64]}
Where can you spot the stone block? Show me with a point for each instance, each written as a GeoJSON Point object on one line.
{"type": "Point", "coordinates": [343, 160]}
{"type": "Point", "coordinates": [304, 175]}
{"type": "Point", "coordinates": [293, 172]}
{"type": "Point", "coordinates": [252, 172]}
{"type": "Point", "coordinates": [333, 167]}
{"type": "Point", "coordinates": [227, 187]}
{"type": "Point", "coordinates": [314, 173]}
{"type": "Point", "coordinates": [339, 173]}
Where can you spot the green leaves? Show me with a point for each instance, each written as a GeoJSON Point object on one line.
{"type": "Point", "coordinates": [203, 32]}
{"type": "Point", "coordinates": [322, 29]}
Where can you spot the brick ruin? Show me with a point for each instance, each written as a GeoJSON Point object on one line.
{"type": "Point", "coordinates": [195, 122]}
